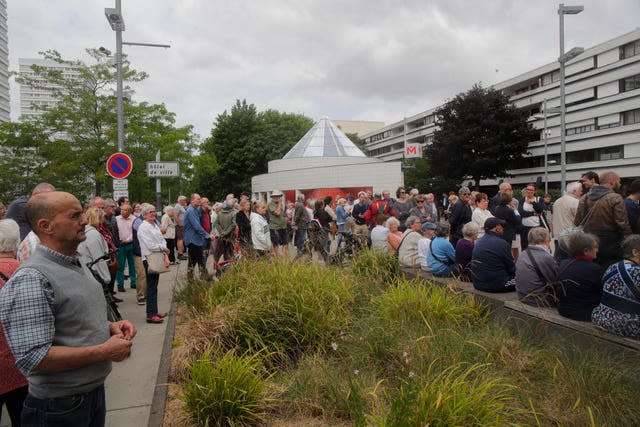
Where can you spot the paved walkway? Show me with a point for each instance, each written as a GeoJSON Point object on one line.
{"type": "Point", "coordinates": [135, 390]}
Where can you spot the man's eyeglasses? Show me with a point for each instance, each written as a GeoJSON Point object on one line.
{"type": "Point", "coordinates": [419, 201]}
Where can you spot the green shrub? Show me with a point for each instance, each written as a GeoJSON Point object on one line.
{"type": "Point", "coordinates": [326, 387]}
{"type": "Point", "coordinates": [284, 308]}
{"type": "Point", "coordinates": [410, 303]}
{"type": "Point", "coordinates": [375, 266]}
{"type": "Point", "coordinates": [226, 391]}
{"type": "Point", "coordinates": [193, 293]}
{"type": "Point", "coordinates": [458, 396]}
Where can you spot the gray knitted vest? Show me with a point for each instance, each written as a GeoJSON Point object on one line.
{"type": "Point", "coordinates": [80, 320]}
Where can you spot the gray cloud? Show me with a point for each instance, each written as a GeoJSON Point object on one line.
{"type": "Point", "coordinates": [347, 60]}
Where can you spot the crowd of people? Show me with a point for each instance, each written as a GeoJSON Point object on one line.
{"type": "Point", "coordinates": [580, 254]}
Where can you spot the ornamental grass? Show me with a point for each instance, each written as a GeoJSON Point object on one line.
{"type": "Point", "coordinates": [364, 347]}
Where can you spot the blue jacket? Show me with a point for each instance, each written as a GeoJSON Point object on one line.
{"type": "Point", "coordinates": [492, 264]}
{"type": "Point", "coordinates": [193, 231]}
{"type": "Point", "coordinates": [443, 250]}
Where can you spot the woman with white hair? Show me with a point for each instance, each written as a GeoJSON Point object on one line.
{"type": "Point", "coordinates": [13, 386]}
{"type": "Point", "coordinates": [151, 240]}
{"type": "Point", "coordinates": [464, 250]}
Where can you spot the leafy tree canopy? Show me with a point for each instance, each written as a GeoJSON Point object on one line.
{"type": "Point", "coordinates": [479, 135]}
{"type": "Point", "coordinates": [242, 143]}
{"type": "Point", "coordinates": [68, 144]}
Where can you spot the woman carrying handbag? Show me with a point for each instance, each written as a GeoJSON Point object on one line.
{"type": "Point", "coordinates": [152, 244]}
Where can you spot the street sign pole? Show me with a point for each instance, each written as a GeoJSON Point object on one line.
{"type": "Point", "coordinates": [158, 187]}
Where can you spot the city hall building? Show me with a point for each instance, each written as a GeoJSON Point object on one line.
{"type": "Point", "coordinates": [602, 87]}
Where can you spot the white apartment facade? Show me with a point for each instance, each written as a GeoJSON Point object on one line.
{"type": "Point", "coordinates": [4, 64]}
{"type": "Point", "coordinates": [602, 115]}
{"type": "Point", "coordinates": [33, 98]}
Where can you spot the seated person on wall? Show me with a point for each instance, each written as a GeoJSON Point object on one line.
{"type": "Point", "coordinates": [579, 281]}
{"type": "Point", "coordinates": [442, 256]}
{"type": "Point", "coordinates": [428, 232]}
{"type": "Point", "coordinates": [492, 265]}
{"type": "Point", "coordinates": [619, 308]}
{"type": "Point", "coordinates": [536, 270]}
{"type": "Point", "coordinates": [464, 250]}
{"type": "Point", "coordinates": [408, 249]}
{"type": "Point", "coordinates": [379, 234]}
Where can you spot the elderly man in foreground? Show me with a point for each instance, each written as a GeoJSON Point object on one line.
{"type": "Point", "coordinates": [54, 315]}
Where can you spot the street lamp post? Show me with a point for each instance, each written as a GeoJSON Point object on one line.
{"type": "Point", "coordinates": [114, 16]}
{"type": "Point", "coordinates": [564, 10]}
{"type": "Point", "coordinates": [546, 112]}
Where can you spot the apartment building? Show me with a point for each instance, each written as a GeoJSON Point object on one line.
{"type": "Point", "coordinates": [4, 64]}
{"type": "Point", "coordinates": [602, 115]}
{"type": "Point", "coordinates": [33, 98]}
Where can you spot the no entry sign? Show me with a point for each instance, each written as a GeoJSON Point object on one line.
{"type": "Point", "coordinates": [119, 165]}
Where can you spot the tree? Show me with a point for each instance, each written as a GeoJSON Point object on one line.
{"type": "Point", "coordinates": [76, 136]}
{"type": "Point", "coordinates": [242, 143]}
{"type": "Point", "coordinates": [480, 135]}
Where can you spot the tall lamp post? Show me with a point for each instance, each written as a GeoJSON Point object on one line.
{"type": "Point", "coordinates": [546, 112]}
{"type": "Point", "coordinates": [564, 10]}
{"type": "Point", "coordinates": [114, 16]}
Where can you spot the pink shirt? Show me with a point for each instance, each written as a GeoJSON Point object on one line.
{"type": "Point", "coordinates": [125, 228]}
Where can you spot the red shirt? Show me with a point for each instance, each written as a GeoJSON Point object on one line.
{"type": "Point", "coordinates": [11, 378]}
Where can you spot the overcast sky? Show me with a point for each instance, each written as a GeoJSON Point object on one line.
{"type": "Point", "coordinates": [348, 59]}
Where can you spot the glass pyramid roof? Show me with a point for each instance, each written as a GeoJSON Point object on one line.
{"type": "Point", "coordinates": [324, 139]}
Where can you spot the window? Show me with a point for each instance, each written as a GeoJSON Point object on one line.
{"type": "Point", "coordinates": [429, 119]}
{"type": "Point", "coordinates": [549, 78]}
{"type": "Point", "coordinates": [631, 117]}
{"type": "Point", "coordinates": [610, 153]}
{"type": "Point", "coordinates": [630, 49]}
{"type": "Point", "coordinates": [580, 129]}
{"type": "Point", "coordinates": [630, 83]}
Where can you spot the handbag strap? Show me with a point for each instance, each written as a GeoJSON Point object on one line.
{"type": "Point", "coordinates": [434, 255]}
{"type": "Point", "coordinates": [404, 237]}
{"type": "Point", "coordinates": [565, 268]}
{"type": "Point", "coordinates": [626, 279]}
{"type": "Point", "coordinates": [536, 267]}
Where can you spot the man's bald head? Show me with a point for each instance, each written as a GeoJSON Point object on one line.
{"type": "Point", "coordinates": [43, 187]}
{"type": "Point", "coordinates": [46, 206]}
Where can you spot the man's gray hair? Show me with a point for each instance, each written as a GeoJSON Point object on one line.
{"type": "Point", "coordinates": [9, 235]}
{"type": "Point", "coordinates": [182, 198]}
{"type": "Point", "coordinates": [573, 186]}
{"type": "Point", "coordinates": [538, 235]}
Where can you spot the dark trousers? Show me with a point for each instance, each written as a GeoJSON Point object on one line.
{"type": "Point", "coordinates": [14, 400]}
{"type": "Point", "coordinates": [86, 409]}
{"type": "Point", "coordinates": [224, 247]}
{"type": "Point", "coordinates": [196, 257]}
{"type": "Point", "coordinates": [152, 290]}
{"type": "Point", "coordinates": [171, 245]}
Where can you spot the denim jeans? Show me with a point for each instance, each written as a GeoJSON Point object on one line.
{"type": "Point", "coordinates": [87, 409]}
{"type": "Point", "coordinates": [125, 254]}
{"type": "Point", "coordinates": [152, 291]}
